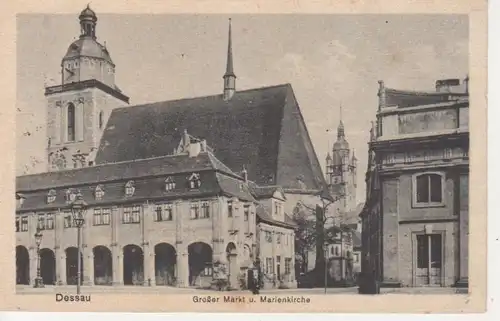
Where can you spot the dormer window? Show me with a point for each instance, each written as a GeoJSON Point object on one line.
{"type": "Point", "coordinates": [129, 188]}
{"type": "Point", "coordinates": [99, 192]}
{"type": "Point", "coordinates": [70, 195]}
{"type": "Point", "coordinates": [169, 184]}
{"type": "Point", "coordinates": [194, 181]}
{"type": "Point", "coordinates": [19, 200]}
{"type": "Point", "coordinates": [51, 196]}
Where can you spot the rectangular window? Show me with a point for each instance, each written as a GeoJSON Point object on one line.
{"type": "Point", "coordinates": [164, 212]}
{"type": "Point", "coordinates": [229, 209]}
{"type": "Point", "coordinates": [269, 265]}
{"type": "Point", "coordinates": [131, 215]}
{"type": "Point", "coordinates": [49, 221]}
{"type": "Point", "coordinates": [195, 211]}
{"type": "Point", "coordinates": [269, 236]}
{"type": "Point", "coordinates": [97, 216]}
{"type": "Point", "coordinates": [102, 216]}
{"type": "Point", "coordinates": [288, 265]}
{"type": "Point", "coordinates": [106, 214]}
{"type": "Point", "coordinates": [278, 238]}
{"type": "Point", "coordinates": [136, 212]}
{"type": "Point", "coordinates": [24, 224]}
{"type": "Point", "coordinates": [18, 224]}
{"type": "Point", "coordinates": [41, 222]}
{"type": "Point", "coordinates": [205, 210]}
{"type": "Point", "coordinates": [429, 188]}
{"type": "Point", "coordinates": [276, 208]}
{"type": "Point", "coordinates": [68, 221]}
{"type": "Point", "coordinates": [246, 212]}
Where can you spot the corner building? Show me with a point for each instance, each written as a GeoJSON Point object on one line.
{"type": "Point", "coordinates": [172, 186]}
{"type": "Point", "coordinates": [415, 219]}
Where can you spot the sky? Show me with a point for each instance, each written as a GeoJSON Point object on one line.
{"type": "Point", "coordinates": [330, 60]}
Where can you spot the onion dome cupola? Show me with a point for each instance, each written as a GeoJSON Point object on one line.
{"type": "Point", "coordinates": [86, 58]}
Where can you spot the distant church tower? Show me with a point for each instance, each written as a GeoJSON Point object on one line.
{"type": "Point", "coordinates": [341, 166]}
{"type": "Point", "coordinates": [79, 108]}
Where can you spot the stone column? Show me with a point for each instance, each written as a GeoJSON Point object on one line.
{"type": "Point", "coordinates": [182, 266]}
{"type": "Point", "coordinates": [217, 229]}
{"type": "Point", "coordinates": [291, 239]}
{"type": "Point", "coordinates": [61, 266]}
{"type": "Point", "coordinates": [463, 279]}
{"type": "Point", "coordinates": [390, 231]}
{"type": "Point", "coordinates": [116, 248]}
{"type": "Point", "coordinates": [149, 266]}
{"type": "Point", "coordinates": [88, 265]}
{"type": "Point", "coordinates": [32, 263]}
{"type": "Point", "coordinates": [87, 250]}
{"type": "Point", "coordinates": [117, 253]}
{"type": "Point", "coordinates": [180, 215]}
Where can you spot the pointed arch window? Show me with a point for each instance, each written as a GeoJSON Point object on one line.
{"type": "Point", "coordinates": [71, 121]}
{"type": "Point", "coordinates": [194, 181]}
{"type": "Point", "coordinates": [169, 184]}
{"type": "Point", "coordinates": [130, 188]}
{"type": "Point", "coordinates": [99, 192]}
{"type": "Point", "coordinates": [51, 196]}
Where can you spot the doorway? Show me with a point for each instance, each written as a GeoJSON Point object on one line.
{"type": "Point", "coordinates": [429, 259]}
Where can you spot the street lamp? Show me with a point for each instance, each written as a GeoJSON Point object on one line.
{"type": "Point", "coordinates": [326, 266]}
{"type": "Point", "coordinates": [38, 241]}
{"type": "Point", "coordinates": [78, 208]}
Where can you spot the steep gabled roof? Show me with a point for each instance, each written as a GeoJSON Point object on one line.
{"type": "Point", "coordinates": [260, 129]}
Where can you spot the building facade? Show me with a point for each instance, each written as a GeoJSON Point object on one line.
{"type": "Point", "coordinates": [249, 157]}
{"type": "Point", "coordinates": [159, 221]}
{"type": "Point", "coordinates": [415, 220]}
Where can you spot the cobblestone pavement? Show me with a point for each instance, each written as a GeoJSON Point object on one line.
{"type": "Point", "coordinates": [173, 290]}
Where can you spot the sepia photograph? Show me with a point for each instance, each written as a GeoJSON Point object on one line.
{"type": "Point", "coordinates": [241, 157]}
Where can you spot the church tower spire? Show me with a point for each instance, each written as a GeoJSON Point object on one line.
{"type": "Point", "coordinates": [340, 129]}
{"type": "Point", "coordinates": [229, 76]}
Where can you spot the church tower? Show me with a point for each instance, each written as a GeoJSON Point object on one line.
{"type": "Point", "coordinates": [341, 167]}
{"type": "Point", "coordinates": [78, 108]}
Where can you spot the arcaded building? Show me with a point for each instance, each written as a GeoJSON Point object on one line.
{"type": "Point", "coordinates": [172, 187]}
{"type": "Point", "coordinates": [415, 220]}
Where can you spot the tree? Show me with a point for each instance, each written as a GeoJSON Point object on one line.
{"type": "Point", "coordinates": [314, 234]}
{"type": "Point", "coordinates": [305, 237]}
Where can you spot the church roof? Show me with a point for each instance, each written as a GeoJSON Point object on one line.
{"type": "Point", "coordinates": [260, 129]}
{"type": "Point", "coordinates": [87, 47]}
{"type": "Point", "coordinates": [407, 98]}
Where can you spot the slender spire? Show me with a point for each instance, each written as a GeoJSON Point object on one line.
{"type": "Point", "coordinates": [229, 66]}
{"type": "Point", "coordinates": [229, 76]}
{"type": "Point", "coordinates": [340, 129]}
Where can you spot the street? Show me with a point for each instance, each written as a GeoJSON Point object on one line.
{"type": "Point", "coordinates": [24, 289]}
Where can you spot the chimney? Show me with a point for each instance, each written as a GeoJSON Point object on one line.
{"type": "Point", "coordinates": [203, 146]}
{"type": "Point", "coordinates": [194, 149]}
{"type": "Point", "coordinates": [466, 83]}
